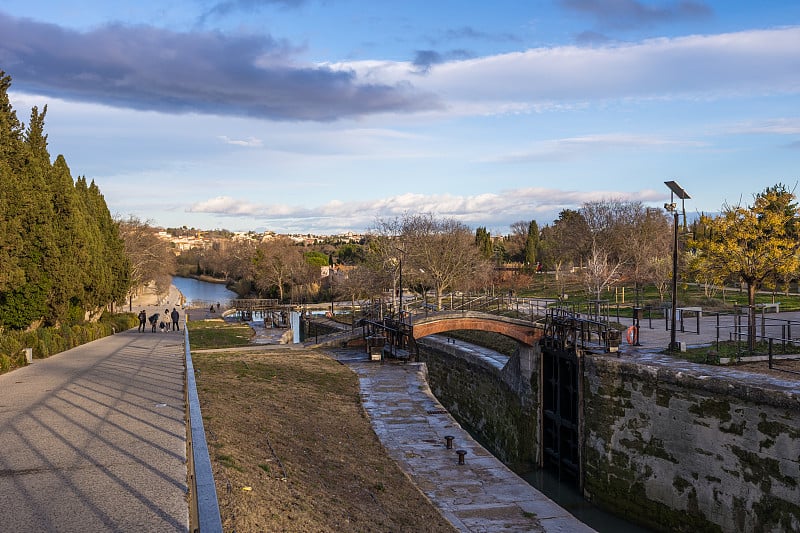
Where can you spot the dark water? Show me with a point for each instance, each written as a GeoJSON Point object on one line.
{"type": "Point", "coordinates": [568, 497]}
{"type": "Point", "coordinates": [202, 291]}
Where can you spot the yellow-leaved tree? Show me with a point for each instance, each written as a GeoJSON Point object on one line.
{"type": "Point", "coordinates": [751, 244]}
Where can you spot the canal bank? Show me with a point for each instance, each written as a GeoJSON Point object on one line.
{"type": "Point", "coordinates": [469, 380]}
{"type": "Point", "coordinates": [473, 489]}
{"type": "Point", "coordinates": [664, 442]}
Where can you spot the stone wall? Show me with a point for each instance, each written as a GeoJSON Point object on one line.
{"type": "Point", "coordinates": [679, 446]}
{"type": "Point", "coordinates": [498, 405]}
{"type": "Point", "coordinates": [690, 447]}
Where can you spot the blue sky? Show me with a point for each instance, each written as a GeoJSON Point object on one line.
{"type": "Point", "coordinates": [320, 116]}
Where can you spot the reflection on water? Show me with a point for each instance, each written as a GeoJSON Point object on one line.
{"type": "Point", "coordinates": [568, 497]}
{"type": "Point", "coordinates": [202, 291]}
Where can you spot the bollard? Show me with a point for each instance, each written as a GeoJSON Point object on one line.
{"type": "Point", "coordinates": [449, 441]}
{"type": "Point", "coordinates": [28, 355]}
{"type": "Point", "coordinates": [461, 454]}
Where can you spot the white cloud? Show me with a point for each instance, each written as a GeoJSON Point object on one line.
{"type": "Point", "coordinates": [250, 142]}
{"type": "Point", "coordinates": [699, 66]}
{"type": "Point", "coordinates": [497, 210]}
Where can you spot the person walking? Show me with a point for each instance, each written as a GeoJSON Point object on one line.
{"type": "Point", "coordinates": [142, 320]}
{"type": "Point", "coordinates": [175, 318]}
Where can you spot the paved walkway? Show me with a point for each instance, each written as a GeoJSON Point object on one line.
{"type": "Point", "coordinates": [93, 439]}
{"type": "Point", "coordinates": [480, 496]}
{"type": "Point", "coordinates": [657, 337]}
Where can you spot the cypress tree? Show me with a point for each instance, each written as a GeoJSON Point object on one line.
{"type": "Point", "coordinates": [483, 240]}
{"type": "Point", "coordinates": [29, 209]}
{"type": "Point", "coordinates": [69, 228]}
{"type": "Point", "coordinates": [11, 272]}
{"type": "Point", "coordinates": [60, 250]}
{"type": "Point", "coordinates": [531, 243]}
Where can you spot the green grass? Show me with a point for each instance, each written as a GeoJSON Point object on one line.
{"type": "Point", "coordinates": [545, 286]}
{"type": "Point", "coordinates": [207, 334]}
{"type": "Point", "coordinates": [229, 462]}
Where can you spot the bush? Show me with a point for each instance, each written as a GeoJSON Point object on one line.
{"type": "Point", "coordinates": [119, 321]}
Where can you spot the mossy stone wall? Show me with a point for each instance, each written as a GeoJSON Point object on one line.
{"type": "Point", "coordinates": [688, 448]}
{"type": "Point", "coordinates": [487, 403]}
{"type": "Point", "coordinates": [670, 444]}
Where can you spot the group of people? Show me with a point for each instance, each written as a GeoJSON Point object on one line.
{"type": "Point", "coordinates": [166, 322]}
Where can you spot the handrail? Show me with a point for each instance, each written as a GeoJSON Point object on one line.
{"type": "Point", "coordinates": [203, 505]}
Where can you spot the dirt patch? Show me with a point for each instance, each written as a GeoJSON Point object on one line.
{"type": "Point", "coordinates": [788, 369]}
{"type": "Point", "coordinates": [292, 449]}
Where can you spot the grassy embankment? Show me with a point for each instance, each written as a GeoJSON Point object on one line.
{"type": "Point", "coordinates": [290, 444]}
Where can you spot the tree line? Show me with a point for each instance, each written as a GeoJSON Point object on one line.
{"type": "Point", "coordinates": [600, 245]}
{"type": "Point", "coordinates": [61, 255]}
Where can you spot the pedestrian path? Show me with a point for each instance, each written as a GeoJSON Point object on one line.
{"type": "Point", "coordinates": [655, 336]}
{"type": "Point", "coordinates": [480, 495]}
{"type": "Point", "coordinates": [94, 439]}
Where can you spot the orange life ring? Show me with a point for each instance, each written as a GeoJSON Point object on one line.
{"type": "Point", "coordinates": [630, 335]}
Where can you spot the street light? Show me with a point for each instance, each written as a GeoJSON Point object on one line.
{"type": "Point", "coordinates": [401, 287]}
{"type": "Point", "coordinates": [675, 190]}
{"type": "Point", "coordinates": [400, 265]}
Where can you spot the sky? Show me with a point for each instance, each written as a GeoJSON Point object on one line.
{"type": "Point", "coordinates": [325, 116]}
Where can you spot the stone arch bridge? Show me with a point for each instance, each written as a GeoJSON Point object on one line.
{"type": "Point", "coordinates": [523, 331]}
{"type": "Point", "coordinates": [521, 366]}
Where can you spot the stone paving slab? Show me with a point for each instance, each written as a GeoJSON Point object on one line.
{"type": "Point", "coordinates": [481, 495]}
{"type": "Point", "coordinates": [94, 439]}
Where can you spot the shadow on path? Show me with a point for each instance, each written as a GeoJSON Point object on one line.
{"type": "Point", "coordinates": [94, 439]}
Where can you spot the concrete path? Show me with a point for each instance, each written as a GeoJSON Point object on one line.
{"type": "Point", "coordinates": [93, 439]}
{"type": "Point", "coordinates": [657, 337]}
{"type": "Point", "coordinates": [479, 496]}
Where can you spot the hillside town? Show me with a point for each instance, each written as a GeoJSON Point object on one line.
{"type": "Point", "coordinates": [185, 239]}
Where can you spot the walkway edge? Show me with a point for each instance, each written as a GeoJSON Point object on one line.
{"type": "Point", "coordinates": [204, 512]}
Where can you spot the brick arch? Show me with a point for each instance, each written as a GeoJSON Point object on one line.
{"type": "Point", "coordinates": [524, 332]}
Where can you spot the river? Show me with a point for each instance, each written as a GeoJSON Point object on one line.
{"type": "Point", "coordinates": [202, 292]}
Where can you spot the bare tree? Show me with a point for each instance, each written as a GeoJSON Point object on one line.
{"type": "Point", "coordinates": [515, 244]}
{"type": "Point", "coordinates": [645, 246]}
{"type": "Point", "coordinates": [274, 265]}
{"type": "Point", "coordinates": [631, 237]}
{"type": "Point", "coordinates": [385, 250]}
{"type": "Point", "coordinates": [356, 283]}
{"type": "Point", "coordinates": [442, 252]}
{"type": "Point", "coordinates": [439, 253]}
{"type": "Point", "coordinates": [565, 243]}
{"type": "Point", "coordinates": [600, 272]}
{"type": "Point", "coordinates": [151, 258]}
{"type": "Point", "coordinates": [234, 259]}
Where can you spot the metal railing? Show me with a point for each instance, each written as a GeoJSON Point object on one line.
{"type": "Point", "coordinates": [203, 505]}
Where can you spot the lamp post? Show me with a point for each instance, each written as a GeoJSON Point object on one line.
{"type": "Point", "coordinates": [400, 266]}
{"type": "Point", "coordinates": [401, 287]}
{"type": "Point", "coordinates": [675, 190]}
